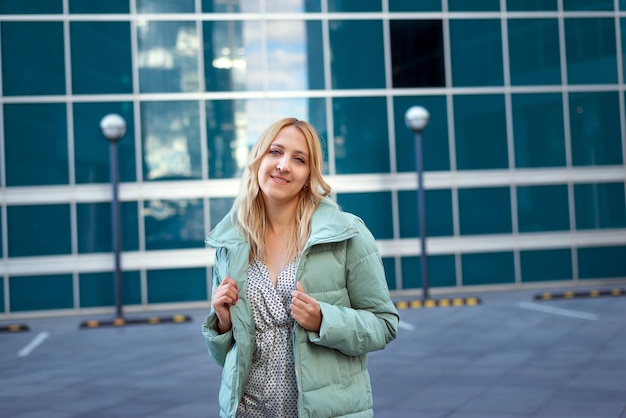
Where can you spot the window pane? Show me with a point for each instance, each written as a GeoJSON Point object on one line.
{"type": "Point", "coordinates": [480, 132]}
{"type": "Point", "coordinates": [373, 208]}
{"type": "Point", "coordinates": [599, 262]}
{"type": "Point", "coordinates": [168, 56]}
{"type": "Point", "coordinates": [97, 289]}
{"type": "Point", "coordinates": [94, 43]}
{"type": "Point", "coordinates": [95, 227]}
{"type": "Point", "coordinates": [473, 5]}
{"type": "Point", "coordinates": [220, 6]}
{"type": "Point", "coordinates": [218, 208]}
{"type": "Point", "coordinates": [174, 224]}
{"type": "Point", "coordinates": [530, 5]}
{"type": "Point", "coordinates": [415, 6]}
{"type": "Point", "coordinates": [441, 271]}
{"type": "Point", "coordinates": [38, 230]}
{"type": "Point", "coordinates": [542, 208]}
{"type": "Point", "coordinates": [538, 130]}
{"type": "Point", "coordinates": [109, 6]}
{"type": "Point", "coordinates": [485, 211]}
{"type": "Point", "coordinates": [435, 145]}
{"type": "Point", "coordinates": [595, 126]}
{"type": "Point", "coordinates": [542, 265]}
{"type": "Point", "coordinates": [179, 285]}
{"type": "Point", "coordinates": [488, 268]}
{"type": "Point", "coordinates": [295, 55]}
{"type": "Point", "coordinates": [600, 205]}
{"type": "Point", "coordinates": [293, 6]}
{"type": "Point", "coordinates": [591, 51]}
{"type": "Point", "coordinates": [233, 57]}
{"type": "Point", "coordinates": [588, 4]}
{"type": "Point", "coordinates": [41, 71]}
{"type": "Point", "coordinates": [52, 292]}
{"type": "Point", "coordinates": [361, 136]}
{"type": "Point", "coordinates": [363, 51]}
{"type": "Point", "coordinates": [35, 153]}
{"type": "Point", "coordinates": [91, 149]}
{"type": "Point", "coordinates": [31, 6]}
{"type": "Point", "coordinates": [171, 140]}
{"type": "Point", "coordinates": [417, 53]}
{"type": "Point", "coordinates": [437, 213]}
{"type": "Point", "coordinates": [534, 51]}
{"type": "Point", "coordinates": [472, 42]}
{"type": "Point", "coordinates": [354, 6]}
{"type": "Point", "coordinates": [165, 6]}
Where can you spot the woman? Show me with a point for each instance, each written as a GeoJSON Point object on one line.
{"type": "Point", "coordinates": [299, 290]}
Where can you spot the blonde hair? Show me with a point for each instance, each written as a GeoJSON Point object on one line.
{"type": "Point", "coordinates": [249, 207]}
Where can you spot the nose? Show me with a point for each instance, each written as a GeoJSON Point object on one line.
{"type": "Point", "coordinates": [283, 165]}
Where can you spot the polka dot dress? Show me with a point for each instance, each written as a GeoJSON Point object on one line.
{"type": "Point", "coordinates": [271, 390]}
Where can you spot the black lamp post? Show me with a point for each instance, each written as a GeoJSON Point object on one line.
{"type": "Point", "coordinates": [113, 128]}
{"type": "Point", "coordinates": [416, 118]}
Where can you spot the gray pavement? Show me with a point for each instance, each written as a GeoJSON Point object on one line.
{"type": "Point", "coordinates": [510, 356]}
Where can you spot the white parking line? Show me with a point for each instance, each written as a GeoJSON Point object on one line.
{"type": "Point", "coordinates": [28, 348]}
{"type": "Point", "coordinates": [406, 326]}
{"type": "Point", "coordinates": [558, 311]}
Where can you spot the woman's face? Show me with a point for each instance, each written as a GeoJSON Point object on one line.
{"type": "Point", "coordinates": [285, 167]}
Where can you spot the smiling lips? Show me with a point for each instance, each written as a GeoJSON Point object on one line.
{"type": "Point", "coordinates": [280, 180]}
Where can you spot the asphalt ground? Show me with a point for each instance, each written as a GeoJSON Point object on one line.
{"type": "Point", "coordinates": [510, 355]}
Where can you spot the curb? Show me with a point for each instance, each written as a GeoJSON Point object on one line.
{"type": "Point", "coordinates": [120, 322]}
{"type": "Point", "coordinates": [581, 294]}
{"type": "Point", "coordinates": [14, 328]}
{"type": "Point", "coordinates": [437, 303]}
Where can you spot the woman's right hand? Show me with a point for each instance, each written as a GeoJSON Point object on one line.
{"type": "Point", "coordinates": [223, 298]}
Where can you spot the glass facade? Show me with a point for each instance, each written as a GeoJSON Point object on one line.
{"type": "Point", "coordinates": [524, 153]}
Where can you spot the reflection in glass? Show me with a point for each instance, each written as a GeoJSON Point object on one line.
{"type": "Point", "coordinates": [171, 140]}
{"type": "Point", "coordinates": [218, 208]}
{"type": "Point", "coordinates": [591, 50]}
{"type": "Point", "coordinates": [230, 6]}
{"type": "Point", "coordinates": [174, 224]}
{"type": "Point", "coordinates": [168, 56]}
{"type": "Point", "coordinates": [600, 205]}
{"type": "Point", "coordinates": [534, 51]}
{"type": "Point", "coordinates": [165, 6]}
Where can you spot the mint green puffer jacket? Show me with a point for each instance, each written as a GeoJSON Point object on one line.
{"type": "Point", "coordinates": [341, 268]}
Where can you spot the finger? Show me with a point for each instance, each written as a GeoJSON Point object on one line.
{"type": "Point", "coordinates": [299, 287]}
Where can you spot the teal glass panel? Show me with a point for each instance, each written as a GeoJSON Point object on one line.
{"type": "Point", "coordinates": [354, 6]}
{"type": "Point", "coordinates": [389, 264]}
{"type": "Point", "coordinates": [485, 211]}
{"type": "Point", "coordinates": [294, 6]}
{"type": "Point", "coordinates": [600, 205]}
{"type": "Point", "coordinates": [171, 140]}
{"type": "Point", "coordinates": [538, 130]}
{"type": "Point", "coordinates": [476, 50]}
{"type": "Point", "coordinates": [488, 268]}
{"type": "Point", "coordinates": [480, 132]}
{"type": "Point", "coordinates": [295, 61]}
{"type": "Point", "coordinates": [361, 135]}
{"type": "Point", "coordinates": [437, 213]}
{"type": "Point", "coordinates": [35, 153]}
{"type": "Point", "coordinates": [168, 56]}
{"type": "Point", "coordinates": [174, 224]}
{"type": "Point", "coordinates": [2, 307]}
{"type": "Point", "coordinates": [89, 6]}
{"type": "Point", "coordinates": [218, 208]}
{"type": "Point", "coordinates": [574, 5]}
{"type": "Point", "coordinates": [364, 51]}
{"type": "Point", "coordinates": [601, 262]}
{"type": "Point", "coordinates": [30, 7]}
{"type": "Point", "coordinates": [230, 136]}
{"type": "Point", "coordinates": [373, 208]}
{"type": "Point", "coordinates": [95, 227]}
{"type": "Point", "coordinates": [32, 293]}
{"type": "Point", "coordinates": [177, 285]}
{"type": "Point", "coordinates": [591, 50]}
{"type": "Point", "coordinates": [93, 43]}
{"type": "Point", "coordinates": [220, 6]}
{"type": "Point", "coordinates": [92, 161]}
{"type": "Point", "coordinates": [98, 289]}
{"type": "Point", "coordinates": [414, 6]}
{"type": "Point", "coordinates": [417, 53]}
{"type": "Point", "coordinates": [546, 265]}
{"type": "Point", "coordinates": [473, 5]}
{"type": "Point", "coordinates": [534, 51]}
{"type": "Point", "coordinates": [165, 6]}
{"type": "Point", "coordinates": [441, 271]}
{"type": "Point", "coordinates": [595, 127]}
{"type": "Point", "coordinates": [38, 230]}
{"type": "Point", "coordinates": [530, 5]}
{"type": "Point", "coordinates": [435, 145]}
{"type": "Point", "coordinates": [232, 61]}
{"type": "Point", "coordinates": [542, 208]}
{"type": "Point", "coordinates": [41, 71]}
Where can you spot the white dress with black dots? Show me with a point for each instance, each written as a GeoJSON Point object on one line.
{"type": "Point", "coordinates": [271, 390]}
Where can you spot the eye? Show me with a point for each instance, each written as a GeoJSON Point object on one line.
{"type": "Point", "coordinates": [273, 151]}
{"type": "Point", "coordinates": [300, 160]}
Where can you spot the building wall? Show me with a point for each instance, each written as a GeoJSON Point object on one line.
{"type": "Point", "coordinates": [523, 155]}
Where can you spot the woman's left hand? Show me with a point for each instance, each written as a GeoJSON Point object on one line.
{"type": "Point", "coordinates": [305, 309]}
